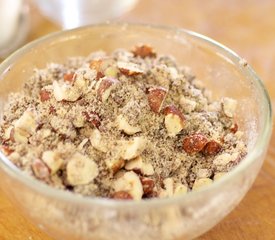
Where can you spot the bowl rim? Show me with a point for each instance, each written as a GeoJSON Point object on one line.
{"type": "Point", "coordinates": [44, 189]}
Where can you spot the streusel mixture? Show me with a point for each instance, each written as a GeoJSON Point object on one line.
{"type": "Point", "coordinates": [124, 125]}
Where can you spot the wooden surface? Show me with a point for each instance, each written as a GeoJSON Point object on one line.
{"type": "Point", "coordinates": [246, 26]}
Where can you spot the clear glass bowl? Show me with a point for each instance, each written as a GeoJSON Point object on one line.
{"type": "Point", "coordinates": [66, 216]}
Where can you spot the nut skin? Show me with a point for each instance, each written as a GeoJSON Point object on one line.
{"type": "Point", "coordinates": [44, 95]}
{"type": "Point", "coordinates": [105, 86]}
{"type": "Point", "coordinates": [18, 135]}
{"type": "Point", "coordinates": [122, 195]}
{"type": "Point", "coordinates": [118, 165]}
{"type": "Point", "coordinates": [52, 160]}
{"type": "Point", "coordinates": [137, 171]}
{"type": "Point", "coordinates": [96, 65]}
{"type": "Point", "coordinates": [140, 167]}
{"type": "Point", "coordinates": [129, 69]}
{"type": "Point", "coordinates": [129, 182]}
{"type": "Point", "coordinates": [104, 67]}
{"type": "Point", "coordinates": [128, 72]}
{"type": "Point", "coordinates": [234, 128]}
{"type": "Point", "coordinates": [148, 185]}
{"type": "Point", "coordinates": [144, 51]}
{"type": "Point", "coordinates": [153, 194]}
{"type": "Point", "coordinates": [69, 77]}
{"type": "Point", "coordinates": [12, 135]}
{"type": "Point", "coordinates": [6, 150]}
{"type": "Point", "coordinates": [52, 110]}
{"type": "Point", "coordinates": [93, 118]}
{"type": "Point", "coordinates": [99, 75]}
{"type": "Point", "coordinates": [174, 119]}
{"type": "Point", "coordinates": [172, 109]}
{"type": "Point", "coordinates": [40, 170]}
{"type": "Point", "coordinates": [211, 148]}
{"type": "Point", "coordinates": [194, 143]}
{"type": "Point", "coordinates": [156, 97]}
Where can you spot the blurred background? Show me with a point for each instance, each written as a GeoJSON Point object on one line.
{"type": "Point", "coordinates": [247, 27]}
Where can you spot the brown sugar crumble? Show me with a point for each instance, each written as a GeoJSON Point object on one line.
{"type": "Point", "coordinates": [128, 125]}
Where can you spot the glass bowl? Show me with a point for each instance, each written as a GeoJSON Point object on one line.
{"type": "Point", "coordinates": [66, 216]}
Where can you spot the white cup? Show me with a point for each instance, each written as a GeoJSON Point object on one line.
{"type": "Point", "coordinates": [75, 13]}
{"type": "Point", "coordinates": [10, 11]}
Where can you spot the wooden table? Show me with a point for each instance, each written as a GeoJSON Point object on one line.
{"type": "Point", "coordinates": [246, 26]}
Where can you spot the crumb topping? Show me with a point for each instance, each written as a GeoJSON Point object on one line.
{"type": "Point", "coordinates": [131, 124]}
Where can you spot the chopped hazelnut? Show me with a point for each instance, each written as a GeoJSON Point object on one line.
{"type": "Point", "coordinates": [144, 51]}
{"type": "Point", "coordinates": [156, 97]}
{"type": "Point", "coordinates": [194, 143]}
